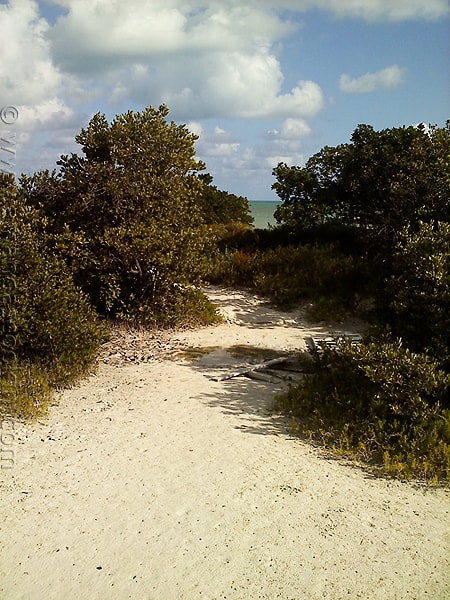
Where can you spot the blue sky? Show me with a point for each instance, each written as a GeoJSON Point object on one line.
{"type": "Point", "coordinates": [259, 81]}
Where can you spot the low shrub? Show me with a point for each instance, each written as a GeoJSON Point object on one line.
{"type": "Point", "coordinates": [25, 390]}
{"type": "Point", "coordinates": [378, 402]}
{"type": "Point", "coordinates": [186, 306]}
{"type": "Point", "coordinates": [291, 274]}
{"type": "Point", "coordinates": [329, 309]}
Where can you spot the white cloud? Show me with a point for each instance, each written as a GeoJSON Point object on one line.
{"type": "Point", "coordinates": [369, 10]}
{"type": "Point", "coordinates": [206, 59]}
{"type": "Point", "coordinates": [149, 30]}
{"type": "Point", "coordinates": [27, 72]}
{"type": "Point", "coordinates": [201, 59]}
{"type": "Point", "coordinates": [305, 100]}
{"type": "Point", "coordinates": [291, 129]}
{"type": "Point", "coordinates": [388, 78]}
{"type": "Point", "coordinates": [387, 10]}
{"type": "Point", "coordinates": [50, 114]}
{"type": "Point", "coordinates": [295, 129]}
{"type": "Point", "coordinates": [195, 127]}
{"type": "Point", "coordinates": [216, 142]}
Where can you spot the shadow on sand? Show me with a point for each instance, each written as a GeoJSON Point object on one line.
{"type": "Point", "coordinates": [251, 399]}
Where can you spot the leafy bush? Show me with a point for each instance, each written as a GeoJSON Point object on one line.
{"type": "Point", "coordinates": [416, 298]}
{"type": "Point", "coordinates": [188, 307]}
{"type": "Point", "coordinates": [25, 390]}
{"type": "Point", "coordinates": [220, 207]}
{"type": "Point", "coordinates": [378, 182]}
{"type": "Point", "coordinates": [379, 402]}
{"type": "Point", "coordinates": [127, 215]}
{"type": "Point", "coordinates": [50, 332]}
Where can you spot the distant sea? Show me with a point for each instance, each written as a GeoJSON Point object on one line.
{"type": "Point", "coordinates": [262, 212]}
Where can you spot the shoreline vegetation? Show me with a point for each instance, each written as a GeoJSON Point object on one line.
{"type": "Point", "coordinates": [131, 230]}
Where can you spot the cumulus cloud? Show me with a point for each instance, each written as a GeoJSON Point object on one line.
{"type": "Point", "coordinates": [286, 143]}
{"type": "Point", "coordinates": [150, 30]}
{"type": "Point", "coordinates": [48, 115]}
{"type": "Point", "coordinates": [204, 61]}
{"type": "Point", "coordinates": [388, 78]}
{"type": "Point", "coordinates": [369, 10]}
{"type": "Point", "coordinates": [27, 72]}
{"type": "Point", "coordinates": [386, 10]}
{"type": "Point", "coordinates": [29, 79]}
{"type": "Point", "coordinates": [291, 129]}
{"type": "Point", "coordinates": [215, 142]}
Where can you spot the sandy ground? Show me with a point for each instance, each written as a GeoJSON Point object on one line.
{"type": "Point", "coordinates": [152, 481]}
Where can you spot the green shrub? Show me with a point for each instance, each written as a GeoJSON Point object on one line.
{"type": "Point", "coordinates": [50, 334]}
{"type": "Point", "coordinates": [25, 390]}
{"type": "Point", "coordinates": [416, 299]}
{"type": "Point", "coordinates": [326, 308]}
{"type": "Point", "coordinates": [186, 306]}
{"type": "Point", "coordinates": [379, 402]}
{"type": "Point", "coordinates": [126, 215]}
{"type": "Point", "coordinates": [220, 207]}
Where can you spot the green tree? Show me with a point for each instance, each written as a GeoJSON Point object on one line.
{"type": "Point", "coordinates": [127, 215]}
{"type": "Point", "coordinates": [220, 207]}
{"type": "Point", "coordinates": [380, 182]}
{"type": "Point", "coordinates": [307, 193]}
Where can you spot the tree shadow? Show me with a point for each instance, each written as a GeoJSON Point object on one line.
{"type": "Point", "coordinates": [244, 308]}
{"type": "Point", "coordinates": [253, 401]}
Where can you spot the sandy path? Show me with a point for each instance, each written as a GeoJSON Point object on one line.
{"type": "Point", "coordinates": [151, 481]}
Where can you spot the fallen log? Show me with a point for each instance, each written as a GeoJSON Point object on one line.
{"type": "Point", "coordinates": [257, 367]}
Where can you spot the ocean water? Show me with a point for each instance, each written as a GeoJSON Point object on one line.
{"type": "Point", "coordinates": [262, 212]}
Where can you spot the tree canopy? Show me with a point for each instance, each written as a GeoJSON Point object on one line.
{"type": "Point", "coordinates": [127, 214]}
{"type": "Point", "coordinates": [380, 182]}
{"type": "Point", "coordinates": [222, 207]}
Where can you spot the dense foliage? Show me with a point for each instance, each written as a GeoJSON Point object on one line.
{"type": "Point", "coordinates": [291, 274]}
{"type": "Point", "coordinates": [389, 398]}
{"type": "Point", "coordinates": [379, 182]}
{"type": "Point", "coordinates": [120, 231]}
{"type": "Point", "coordinates": [415, 301]}
{"type": "Point", "coordinates": [127, 216]}
{"type": "Point", "coordinates": [50, 334]}
{"type": "Point", "coordinates": [380, 401]}
{"type": "Point", "coordinates": [220, 207]}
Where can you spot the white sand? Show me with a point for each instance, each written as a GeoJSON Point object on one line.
{"type": "Point", "coordinates": [151, 481]}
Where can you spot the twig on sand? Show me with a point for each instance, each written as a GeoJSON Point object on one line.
{"type": "Point", "coordinates": [246, 370]}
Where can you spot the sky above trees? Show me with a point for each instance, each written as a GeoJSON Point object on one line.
{"type": "Point", "coordinates": [259, 81]}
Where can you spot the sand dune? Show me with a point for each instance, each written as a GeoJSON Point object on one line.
{"type": "Point", "coordinates": [149, 480]}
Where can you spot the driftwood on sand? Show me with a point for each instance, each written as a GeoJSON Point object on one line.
{"type": "Point", "coordinates": [246, 370]}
